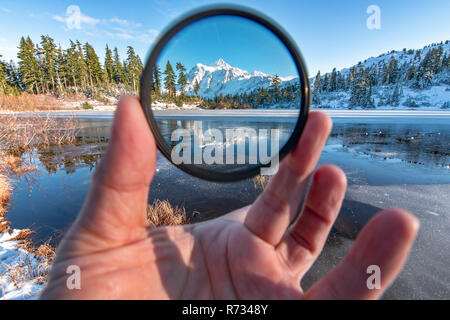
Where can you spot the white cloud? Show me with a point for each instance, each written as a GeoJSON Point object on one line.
{"type": "Point", "coordinates": [114, 27]}
{"type": "Point", "coordinates": [6, 10]}
{"type": "Point", "coordinates": [119, 21]}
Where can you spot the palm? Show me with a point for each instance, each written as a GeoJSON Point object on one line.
{"type": "Point", "coordinates": [254, 253]}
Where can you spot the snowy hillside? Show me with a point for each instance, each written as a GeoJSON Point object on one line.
{"type": "Point", "coordinates": [221, 78]}
{"type": "Point", "coordinates": [394, 80]}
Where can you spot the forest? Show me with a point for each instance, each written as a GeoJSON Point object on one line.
{"type": "Point", "coordinates": [46, 68]}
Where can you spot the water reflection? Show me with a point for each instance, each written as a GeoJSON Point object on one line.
{"type": "Point", "coordinates": [225, 145]}
{"type": "Point", "coordinates": [421, 144]}
{"type": "Point", "coordinates": [63, 177]}
{"type": "Point", "coordinates": [91, 141]}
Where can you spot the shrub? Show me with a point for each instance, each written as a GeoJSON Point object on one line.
{"type": "Point", "coordinates": [410, 103]}
{"type": "Point", "coordinates": [162, 213]}
{"type": "Point", "coordinates": [87, 106]}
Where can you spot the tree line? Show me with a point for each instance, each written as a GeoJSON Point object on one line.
{"type": "Point", "coordinates": [418, 72]}
{"type": "Point", "coordinates": [47, 68]}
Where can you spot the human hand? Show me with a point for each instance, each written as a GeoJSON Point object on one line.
{"type": "Point", "coordinates": [253, 253]}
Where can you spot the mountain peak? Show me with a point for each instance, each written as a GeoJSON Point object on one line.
{"type": "Point", "coordinates": [220, 63]}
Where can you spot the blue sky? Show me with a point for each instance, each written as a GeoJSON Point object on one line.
{"type": "Point", "coordinates": [329, 33]}
{"type": "Point", "coordinates": [240, 42]}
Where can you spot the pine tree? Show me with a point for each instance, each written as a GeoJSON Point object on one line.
{"type": "Point", "coordinates": [395, 98]}
{"type": "Point", "coordinates": [3, 82]}
{"type": "Point", "coordinates": [61, 69]}
{"type": "Point", "coordinates": [81, 67]}
{"type": "Point", "coordinates": [316, 90]}
{"type": "Point", "coordinates": [358, 95]}
{"type": "Point", "coordinates": [333, 80]}
{"type": "Point", "coordinates": [108, 67]}
{"type": "Point", "coordinates": [275, 85]}
{"type": "Point", "coordinates": [156, 81]}
{"type": "Point", "coordinates": [118, 72]}
{"type": "Point", "coordinates": [182, 81]}
{"type": "Point", "coordinates": [325, 83]}
{"type": "Point", "coordinates": [48, 59]}
{"type": "Point", "coordinates": [13, 78]}
{"type": "Point", "coordinates": [28, 66]}
{"type": "Point", "coordinates": [94, 69]}
{"type": "Point", "coordinates": [393, 71]}
{"type": "Point", "coordinates": [72, 67]}
{"type": "Point", "coordinates": [196, 87]}
{"type": "Point", "coordinates": [169, 81]}
{"type": "Point", "coordinates": [133, 68]}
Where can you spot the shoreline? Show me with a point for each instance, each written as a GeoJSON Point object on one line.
{"type": "Point", "coordinates": [107, 112]}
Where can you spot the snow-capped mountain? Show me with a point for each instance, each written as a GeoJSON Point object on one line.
{"type": "Point", "coordinates": [221, 78]}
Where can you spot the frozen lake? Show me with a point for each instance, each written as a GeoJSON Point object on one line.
{"type": "Point", "coordinates": [391, 158]}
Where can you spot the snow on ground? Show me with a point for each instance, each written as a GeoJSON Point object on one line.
{"type": "Point", "coordinates": [17, 266]}
{"type": "Point", "coordinates": [432, 98]}
{"type": "Point", "coordinates": [172, 106]}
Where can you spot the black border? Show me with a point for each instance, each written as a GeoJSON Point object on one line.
{"type": "Point", "coordinates": [233, 10]}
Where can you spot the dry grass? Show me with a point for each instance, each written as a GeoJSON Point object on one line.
{"type": "Point", "coordinates": [260, 182]}
{"type": "Point", "coordinates": [45, 250]}
{"type": "Point", "coordinates": [20, 134]}
{"type": "Point", "coordinates": [28, 102]}
{"type": "Point", "coordinates": [14, 164]}
{"type": "Point", "coordinates": [27, 270]}
{"type": "Point", "coordinates": [22, 235]}
{"type": "Point", "coordinates": [162, 213]}
{"type": "Point", "coordinates": [5, 192]}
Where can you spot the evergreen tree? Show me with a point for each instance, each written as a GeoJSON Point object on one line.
{"type": "Point", "coordinates": [333, 80]}
{"type": "Point", "coordinates": [94, 69]}
{"type": "Point", "coordinates": [71, 68]}
{"type": "Point", "coordinates": [196, 87]}
{"type": "Point", "coordinates": [3, 82]}
{"type": "Point", "coordinates": [169, 81]}
{"type": "Point", "coordinates": [156, 85]}
{"type": "Point", "coordinates": [48, 67]}
{"type": "Point", "coordinates": [316, 90]}
{"type": "Point", "coordinates": [61, 70]}
{"type": "Point", "coordinates": [133, 68]}
{"type": "Point", "coordinates": [182, 81]}
{"type": "Point", "coordinates": [118, 72]}
{"type": "Point", "coordinates": [108, 67]}
{"type": "Point", "coordinates": [393, 71]}
{"type": "Point", "coordinates": [13, 78]}
{"type": "Point", "coordinates": [28, 66]}
{"type": "Point", "coordinates": [81, 67]}
{"type": "Point", "coordinates": [358, 95]}
{"type": "Point", "coordinates": [395, 98]}
{"type": "Point", "coordinates": [325, 83]}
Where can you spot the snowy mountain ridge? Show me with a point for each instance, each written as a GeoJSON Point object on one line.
{"type": "Point", "coordinates": [221, 78]}
{"type": "Point", "coordinates": [397, 79]}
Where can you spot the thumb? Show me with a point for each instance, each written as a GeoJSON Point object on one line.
{"type": "Point", "coordinates": [115, 209]}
